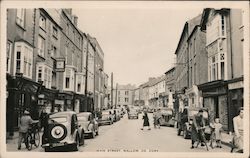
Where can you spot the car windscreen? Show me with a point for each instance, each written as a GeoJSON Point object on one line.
{"type": "Point", "coordinates": [60, 119]}
{"type": "Point", "coordinates": [82, 118]}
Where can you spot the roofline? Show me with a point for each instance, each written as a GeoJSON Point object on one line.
{"type": "Point", "coordinates": [193, 31]}
{"type": "Point", "coordinates": [182, 35]}
{"type": "Point", "coordinates": [171, 69]}
{"type": "Point", "coordinates": [47, 14]}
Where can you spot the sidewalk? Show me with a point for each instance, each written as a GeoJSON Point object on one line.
{"type": "Point", "coordinates": [226, 139]}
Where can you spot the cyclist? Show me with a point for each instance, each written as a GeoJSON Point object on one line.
{"type": "Point", "coordinates": [25, 122]}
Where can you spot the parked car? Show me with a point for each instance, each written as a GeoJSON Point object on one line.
{"type": "Point", "coordinates": [133, 114]}
{"type": "Point", "coordinates": [187, 120]}
{"type": "Point", "coordinates": [106, 118]}
{"type": "Point", "coordinates": [62, 130]}
{"type": "Point", "coordinates": [89, 123]}
{"type": "Point", "coordinates": [167, 118]}
{"type": "Point", "coordinates": [118, 114]}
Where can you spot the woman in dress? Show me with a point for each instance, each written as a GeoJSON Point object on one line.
{"type": "Point", "coordinates": [145, 121]}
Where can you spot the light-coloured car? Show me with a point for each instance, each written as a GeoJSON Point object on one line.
{"type": "Point", "coordinates": [133, 114]}
{"type": "Point", "coordinates": [62, 129]}
{"type": "Point", "coordinates": [89, 124]}
{"type": "Point", "coordinates": [106, 118]}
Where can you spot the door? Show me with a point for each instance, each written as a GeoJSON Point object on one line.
{"type": "Point", "coordinates": [223, 111]}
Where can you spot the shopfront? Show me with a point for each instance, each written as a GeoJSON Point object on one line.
{"type": "Point", "coordinates": [215, 100]}
{"type": "Point", "coordinates": [22, 94]}
{"type": "Point", "coordinates": [46, 99]}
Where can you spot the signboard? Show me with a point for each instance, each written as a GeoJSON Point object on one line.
{"type": "Point", "coordinates": [235, 85]}
{"type": "Point", "coordinates": [60, 65]}
{"type": "Point", "coordinates": [60, 102]}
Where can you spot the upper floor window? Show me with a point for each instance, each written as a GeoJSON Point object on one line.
{"type": "Point", "coordinates": [44, 73]}
{"type": "Point", "coordinates": [20, 17]}
{"type": "Point", "coordinates": [41, 46]}
{"type": "Point", "coordinates": [53, 51]}
{"type": "Point", "coordinates": [126, 99]}
{"type": "Point", "coordinates": [222, 25]}
{"type": "Point", "coordinates": [79, 83]}
{"type": "Point", "coordinates": [23, 56]}
{"type": "Point", "coordinates": [126, 92]}
{"type": "Point", "coordinates": [55, 32]}
{"type": "Point", "coordinates": [69, 77]}
{"type": "Point", "coordinates": [8, 55]}
{"type": "Point", "coordinates": [42, 22]}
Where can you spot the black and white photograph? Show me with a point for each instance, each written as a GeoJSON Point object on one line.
{"type": "Point", "coordinates": [124, 79]}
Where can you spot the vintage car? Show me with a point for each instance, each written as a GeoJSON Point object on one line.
{"type": "Point", "coordinates": [167, 118]}
{"type": "Point", "coordinates": [106, 118]}
{"type": "Point", "coordinates": [118, 114]}
{"type": "Point", "coordinates": [133, 114]}
{"type": "Point", "coordinates": [62, 130]}
{"type": "Point", "coordinates": [187, 120]}
{"type": "Point", "coordinates": [88, 123]}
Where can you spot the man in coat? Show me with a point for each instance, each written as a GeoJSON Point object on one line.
{"type": "Point", "coordinates": [198, 128]}
{"type": "Point", "coordinates": [25, 122]}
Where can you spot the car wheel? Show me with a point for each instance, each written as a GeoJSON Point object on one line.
{"type": "Point", "coordinates": [82, 139]}
{"type": "Point", "coordinates": [76, 145]}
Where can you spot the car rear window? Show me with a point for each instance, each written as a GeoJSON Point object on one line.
{"type": "Point", "coordinates": [82, 118]}
{"type": "Point", "coordinates": [58, 119]}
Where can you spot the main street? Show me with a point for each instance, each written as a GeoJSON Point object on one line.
{"type": "Point", "coordinates": [126, 135]}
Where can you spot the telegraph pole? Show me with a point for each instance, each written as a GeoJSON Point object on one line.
{"type": "Point", "coordinates": [116, 95]}
{"type": "Point", "coordinates": [111, 89]}
{"type": "Point", "coordinates": [86, 76]}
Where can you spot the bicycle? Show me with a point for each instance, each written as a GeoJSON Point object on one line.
{"type": "Point", "coordinates": [33, 135]}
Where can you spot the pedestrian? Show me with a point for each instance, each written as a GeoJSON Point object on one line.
{"type": "Point", "coordinates": [217, 126]}
{"type": "Point", "coordinates": [42, 118]}
{"type": "Point", "coordinates": [158, 118]}
{"type": "Point", "coordinates": [238, 132]}
{"type": "Point", "coordinates": [197, 129]}
{"type": "Point", "coordinates": [145, 121]}
{"type": "Point", "coordinates": [25, 123]}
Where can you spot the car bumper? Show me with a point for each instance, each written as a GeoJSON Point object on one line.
{"type": "Point", "coordinates": [54, 145]}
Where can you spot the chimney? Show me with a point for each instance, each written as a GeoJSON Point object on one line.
{"type": "Point", "coordinates": [75, 20]}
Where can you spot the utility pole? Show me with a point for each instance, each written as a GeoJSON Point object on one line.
{"type": "Point", "coordinates": [116, 95]}
{"type": "Point", "coordinates": [86, 76]}
{"type": "Point", "coordinates": [111, 89]}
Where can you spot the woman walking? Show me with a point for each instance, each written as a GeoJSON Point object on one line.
{"type": "Point", "coordinates": [145, 121]}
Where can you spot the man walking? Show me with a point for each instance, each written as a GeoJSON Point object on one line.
{"type": "Point", "coordinates": [25, 122]}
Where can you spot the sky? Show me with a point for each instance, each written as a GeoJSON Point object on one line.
{"type": "Point", "coordinates": [138, 43]}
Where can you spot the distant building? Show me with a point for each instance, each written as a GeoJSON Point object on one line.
{"type": "Point", "coordinates": [170, 89]}
{"type": "Point", "coordinates": [123, 96]}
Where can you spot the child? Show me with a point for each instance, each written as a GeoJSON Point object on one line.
{"type": "Point", "coordinates": [217, 130]}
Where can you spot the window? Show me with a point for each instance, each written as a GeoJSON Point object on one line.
{"type": "Point", "coordinates": [69, 79]}
{"type": "Point", "coordinates": [20, 17]}
{"type": "Point", "coordinates": [222, 25]}
{"type": "Point", "coordinates": [55, 32]}
{"type": "Point", "coordinates": [42, 22]}
{"type": "Point", "coordinates": [23, 56]}
{"type": "Point", "coordinates": [126, 99]}
{"type": "Point", "coordinates": [8, 55]}
{"type": "Point", "coordinates": [195, 73]}
{"type": "Point", "coordinates": [126, 92]}
{"type": "Point", "coordinates": [53, 51]}
{"type": "Point", "coordinates": [214, 68]}
{"type": "Point", "coordinates": [79, 82]}
{"type": "Point", "coordinates": [194, 45]}
{"type": "Point", "coordinates": [66, 54]}
{"type": "Point", "coordinates": [41, 46]}
{"type": "Point", "coordinates": [119, 99]}
{"type": "Point", "coordinates": [44, 73]}
{"type": "Point", "coordinates": [222, 70]}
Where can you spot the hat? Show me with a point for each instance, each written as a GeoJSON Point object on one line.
{"type": "Point", "coordinates": [26, 112]}
{"type": "Point", "coordinates": [200, 110]}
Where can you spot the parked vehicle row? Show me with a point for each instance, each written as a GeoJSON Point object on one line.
{"type": "Point", "coordinates": [69, 129]}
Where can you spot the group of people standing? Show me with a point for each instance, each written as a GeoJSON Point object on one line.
{"type": "Point", "coordinates": [156, 116]}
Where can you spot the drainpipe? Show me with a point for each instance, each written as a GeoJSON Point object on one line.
{"type": "Point", "coordinates": [231, 49]}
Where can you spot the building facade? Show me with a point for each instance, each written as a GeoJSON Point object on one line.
{"type": "Point", "coordinates": [170, 88]}
{"type": "Point", "coordinates": [223, 94]}
{"type": "Point", "coordinates": [123, 95]}
{"type": "Point", "coordinates": [197, 64]}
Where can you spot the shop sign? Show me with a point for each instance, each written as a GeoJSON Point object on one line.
{"type": "Point", "coordinates": [60, 65]}
{"type": "Point", "coordinates": [236, 85]}
{"type": "Point", "coordinates": [60, 102]}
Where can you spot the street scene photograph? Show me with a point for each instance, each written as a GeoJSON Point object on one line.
{"type": "Point", "coordinates": [125, 78]}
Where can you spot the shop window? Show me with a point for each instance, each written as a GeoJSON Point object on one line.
{"type": "Point", "coordinates": [41, 46]}
{"type": "Point", "coordinates": [20, 17]}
